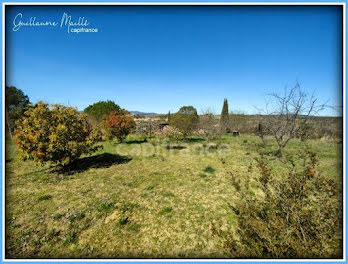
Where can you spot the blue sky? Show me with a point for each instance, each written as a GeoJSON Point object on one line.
{"type": "Point", "coordinates": [156, 59]}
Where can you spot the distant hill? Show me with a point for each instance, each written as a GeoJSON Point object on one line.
{"type": "Point", "coordinates": [141, 113]}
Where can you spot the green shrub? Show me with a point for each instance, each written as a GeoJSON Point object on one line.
{"type": "Point", "coordinates": [169, 133]}
{"type": "Point", "coordinates": [16, 104]}
{"type": "Point", "coordinates": [185, 120]}
{"type": "Point", "coordinates": [56, 134]}
{"type": "Point", "coordinates": [101, 108]}
{"type": "Point", "coordinates": [299, 216]}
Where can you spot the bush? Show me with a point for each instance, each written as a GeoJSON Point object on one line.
{"type": "Point", "coordinates": [299, 216]}
{"type": "Point", "coordinates": [101, 108]}
{"type": "Point", "coordinates": [171, 133]}
{"type": "Point", "coordinates": [306, 131]}
{"type": "Point", "coordinates": [119, 124]}
{"type": "Point", "coordinates": [209, 126]}
{"type": "Point", "coordinates": [185, 120]}
{"type": "Point", "coordinates": [16, 104]}
{"type": "Point", "coordinates": [58, 134]}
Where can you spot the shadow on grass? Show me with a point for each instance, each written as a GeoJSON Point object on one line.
{"type": "Point", "coordinates": [104, 160]}
{"type": "Point", "coordinates": [194, 139]}
{"type": "Point", "coordinates": [136, 141]}
{"type": "Point", "coordinates": [175, 147]}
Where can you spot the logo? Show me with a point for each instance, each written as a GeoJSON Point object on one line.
{"type": "Point", "coordinates": [67, 22]}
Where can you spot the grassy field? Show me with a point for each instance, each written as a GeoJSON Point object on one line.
{"type": "Point", "coordinates": [138, 199]}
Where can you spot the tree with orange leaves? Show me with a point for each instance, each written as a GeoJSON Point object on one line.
{"type": "Point", "coordinates": [119, 124]}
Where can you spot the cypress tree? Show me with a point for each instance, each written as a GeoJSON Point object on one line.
{"type": "Point", "coordinates": [224, 118]}
{"type": "Point", "coordinates": [169, 117]}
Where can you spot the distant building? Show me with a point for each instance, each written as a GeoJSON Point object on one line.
{"type": "Point", "coordinates": [163, 125]}
{"type": "Point", "coordinates": [235, 133]}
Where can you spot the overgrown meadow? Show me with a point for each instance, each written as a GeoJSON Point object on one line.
{"type": "Point", "coordinates": [106, 183]}
{"type": "Point", "coordinates": [145, 199]}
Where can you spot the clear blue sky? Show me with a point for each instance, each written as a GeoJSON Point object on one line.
{"type": "Point", "coordinates": [156, 59]}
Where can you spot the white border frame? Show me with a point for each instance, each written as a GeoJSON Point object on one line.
{"type": "Point", "coordinates": [343, 4]}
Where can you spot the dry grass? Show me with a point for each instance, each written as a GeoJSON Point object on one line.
{"type": "Point", "coordinates": [161, 205]}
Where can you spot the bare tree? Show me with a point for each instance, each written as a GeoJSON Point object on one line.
{"type": "Point", "coordinates": [285, 114]}
{"type": "Point", "coordinates": [209, 124]}
{"type": "Point", "coordinates": [239, 121]}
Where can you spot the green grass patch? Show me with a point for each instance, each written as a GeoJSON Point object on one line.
{"type": "Point", "coordinates": [202, 175]}
{"type": "Point", "coordinates": [166, 210]}
{"type": "Point", "coordinates": [105, 206]}
{"type": "Point", "coordinates": [70, 239]}
{"type": "Point", "coordinates": [57, 216]}
{"type": "Point", "coordinates": [209, 170]}
{"type": "Point", "coordinates": [45, 197]}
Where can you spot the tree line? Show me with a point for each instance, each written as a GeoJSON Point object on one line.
{"type": "Point", "coordinates": [60, 134]}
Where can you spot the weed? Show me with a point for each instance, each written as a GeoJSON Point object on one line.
{"type": "Point", "coordinates": [123, 221]}
{"type": "Point", "coordinates": [202, 175]}
{"type": "Point", "coordinates": [70, 239]}
{"type": "Point", "coordinates": [144, 195]}
{"type": "Point", "coordinates": [166, 210]}
{"type": "Point", "coordinates": [45, 197]}
{"type": "Point", "coordinates": [151, 187]}
{"type": "Point", "coordinates": [57, 216]}
{"type": "Point", "coordinates": [76, 216]}
{"type": "Point", "coordinates": [53, 233]}
{"type": "Point", "coordinates": [209, 169]}
{"type": "Point", "coordinates": [128, 207]}
{"type": "Point", "coordinates": [105, 206]}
